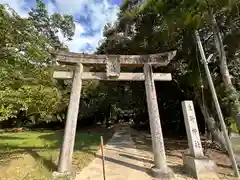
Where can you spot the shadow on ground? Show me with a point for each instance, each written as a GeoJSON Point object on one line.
{"type": "Point", "coordinates": [145, 143]}
{"type": "Point", "coordinates": [46, 162]}
{"type": "Point", "coordinates": [44, 146]}
{"type": "Point", "coordinates": [122, 163]}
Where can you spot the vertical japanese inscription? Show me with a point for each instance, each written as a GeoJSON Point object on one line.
{"type": "Point", "coordinates": [194, 140]}
{"type": "Point", "coordinates": [189, 107]}
{"type": "Point", "coordinates": [192, 119]}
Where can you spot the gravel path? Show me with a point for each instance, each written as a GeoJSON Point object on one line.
{"type": "Point", "coordinates": [120, 163]}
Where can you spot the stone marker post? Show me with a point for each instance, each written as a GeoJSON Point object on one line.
{"type": "Point", "coordinates": [160, 169]}
{"type": "Point", "coordinates": [194, 161]}
{"type": "Point", "coordinates": [65, 158]}
{"type": "Point", "coordinates": [194, 141]}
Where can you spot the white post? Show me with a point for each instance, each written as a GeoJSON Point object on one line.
{"type": "Point", "coordinates": [65, 158]}
{"type": "Point", "coordinates": [154, 118]}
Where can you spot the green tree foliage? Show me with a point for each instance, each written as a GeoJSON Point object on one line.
{"type": "Point", "coordinates": [154, 26]}
{"type": "Point", "coordinates": [26, 83]}
{"type": "Point", "coordinates": [49, 26]}
{"type": "Point", "coordinates": [142, 27]}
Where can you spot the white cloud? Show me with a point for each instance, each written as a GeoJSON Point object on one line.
{"type": "Point", "coordinates": [99, 13]}
{"type": "Point", "coordinates": [73, 7]}
{"type": "Point", "coordinates": [17, 5]}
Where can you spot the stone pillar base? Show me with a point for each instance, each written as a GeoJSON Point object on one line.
{"type": "Point", "coordinates": [200, 168]}
{"type": "Point", "coordinates": [63, 175]}
{"type": "Point", "coordinates": [163, 174]}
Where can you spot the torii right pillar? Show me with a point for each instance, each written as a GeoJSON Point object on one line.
{"type": "Point", "coordinates": [160, 169]}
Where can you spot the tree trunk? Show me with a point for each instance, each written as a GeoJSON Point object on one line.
{"type": "Point", "coordinates": [211, 125]}
{"type": "Point", "coordinates": [231, 91]}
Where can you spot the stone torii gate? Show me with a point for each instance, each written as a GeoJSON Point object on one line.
{"type": "Point", "coordinates": [113, 64]}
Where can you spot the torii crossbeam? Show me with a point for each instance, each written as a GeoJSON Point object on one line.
{"type": "Point", "coordinates": [113, 64]}
{"type": "Point", "coordinates": [161, 59]}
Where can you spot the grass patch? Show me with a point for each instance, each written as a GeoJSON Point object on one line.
{"type": "Point", "coordinates": [234, 128]}
{"type": "Point", "coordinates": [34, 155]}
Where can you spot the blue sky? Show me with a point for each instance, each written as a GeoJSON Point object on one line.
{"type": "Point", "coordinates": [90, 17]}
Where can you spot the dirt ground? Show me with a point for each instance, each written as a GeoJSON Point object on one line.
{"type": "Point", "coordinates": [176, 148]}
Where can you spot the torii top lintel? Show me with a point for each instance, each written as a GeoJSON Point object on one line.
{"type": "Point", "coordinates": [161, 59]}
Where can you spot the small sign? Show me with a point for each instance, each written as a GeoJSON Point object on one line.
{"type": "Point", "coordinates": [190, 120]}
{"type": "Point", "coordinates": [113, 67]}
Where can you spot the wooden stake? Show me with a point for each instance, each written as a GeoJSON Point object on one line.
{"type": "Point", "coordinates": [103, 164]}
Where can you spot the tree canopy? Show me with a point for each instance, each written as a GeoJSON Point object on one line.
{"type": "Point", "coordinates": [142, 27]}
{"type": "Point", "coordinates": [154, 26]}
{"type": "Point", "coordinates": [26, 76]}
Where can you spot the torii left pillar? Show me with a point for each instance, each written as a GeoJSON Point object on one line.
{"type": "Point", "coordinates": [65, 158]}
